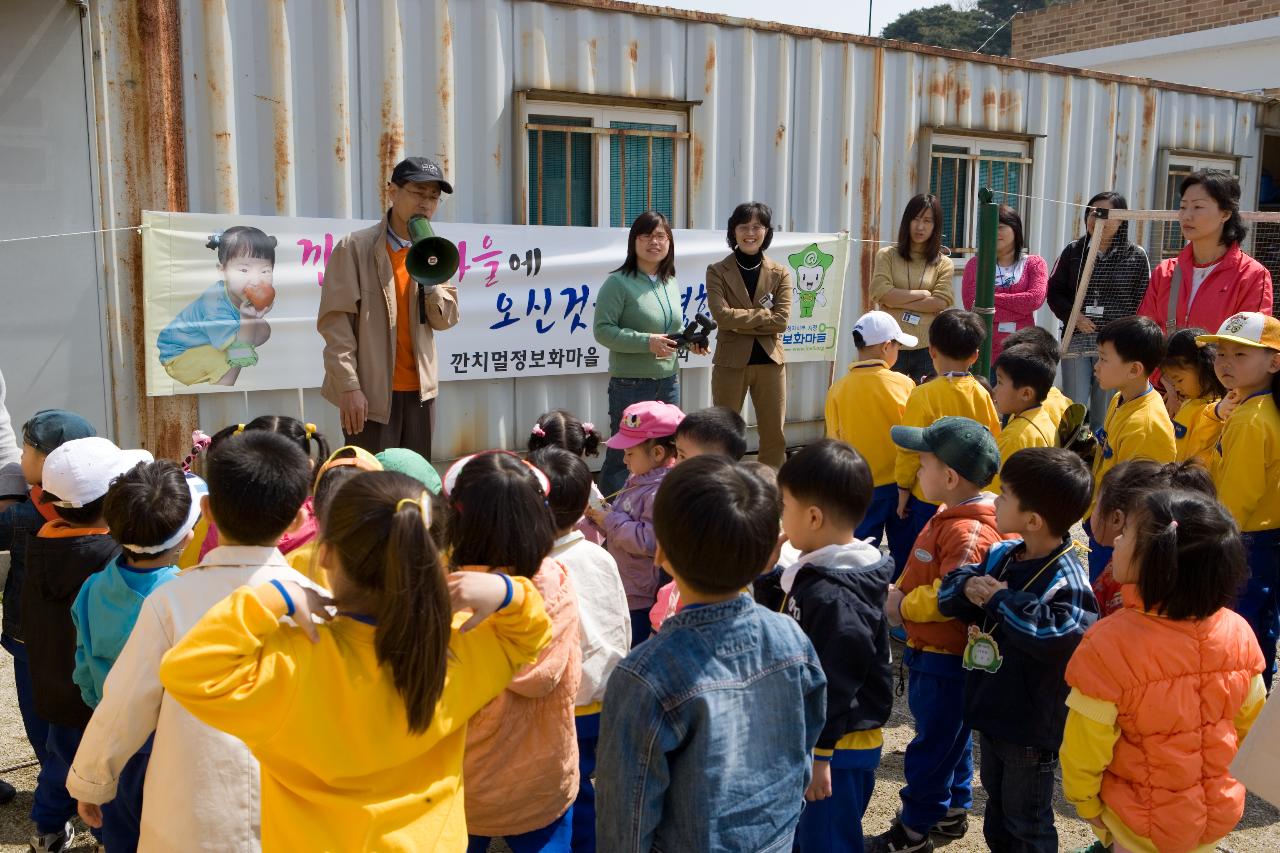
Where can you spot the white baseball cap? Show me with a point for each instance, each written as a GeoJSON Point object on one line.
{"type": "Point", "coordinates": [80, 471]}
{"type": "Point", "coordinates": [878, 327]}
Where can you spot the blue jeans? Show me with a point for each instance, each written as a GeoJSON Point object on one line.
{"type": "Point", "coordinates": [122, 817]}
{"type": "Point", "coordinates": [939, 762]}
{"type": "Point", "coordinates": [918, 514]}
{"type": "Point", "coordinates": [625, 392]}
{"type": "Point", "coordinates": [1079, 383]}
{"type": "Point", "coordinates": [51, 806]}
{"type": "Point", "coordinates": [1019, 783]}
{"type": "Point", "coordinates": [552, 838]}
{"type": "Point", "coordinates": [915, 364]}
{"type": "Point", "coordinates": [641, 627]}
{"type": "Point", "coordinates": [882, 521]}
{"type": "Point", "coordinates": [61, 746]}
{"type": "Point", "coordinates": [584, 807]}
{"type": "Point", "coordinates": [1259, 601]}
{"type": "Point", "coordinates": [835, 824]}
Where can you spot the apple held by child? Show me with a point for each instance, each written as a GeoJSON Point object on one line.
{"type": "Point", "coordinates": [261, 295]}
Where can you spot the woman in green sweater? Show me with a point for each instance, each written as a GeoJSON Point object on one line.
{"type": "Point", "coordinates": [637, 312]}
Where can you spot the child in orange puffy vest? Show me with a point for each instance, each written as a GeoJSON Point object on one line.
{"type": "Point", "coordinates": [1163, 691]}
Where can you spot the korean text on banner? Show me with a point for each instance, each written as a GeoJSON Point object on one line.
{"type": "Point", "coordinates": [526, 298]}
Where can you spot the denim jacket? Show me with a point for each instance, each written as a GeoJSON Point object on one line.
{"type": "Point", "coordinates": [707, 734]}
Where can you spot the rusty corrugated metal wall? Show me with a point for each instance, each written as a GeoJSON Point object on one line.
{"type": "Point", "coordinates": [295, 107]}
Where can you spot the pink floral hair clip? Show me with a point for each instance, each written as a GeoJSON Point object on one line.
{"type": "Point", "coordinates": [588, 427]}
{"type": "Point", "coordinates": [538, 431]}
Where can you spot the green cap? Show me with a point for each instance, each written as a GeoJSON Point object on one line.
{"type": "Point", "coordinates": [411, 464]}
{"type": "Point", "coordinates": [962, 444]}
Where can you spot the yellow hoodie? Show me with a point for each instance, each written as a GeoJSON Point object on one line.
{"type": "Point", "coordinates": [340, 769]}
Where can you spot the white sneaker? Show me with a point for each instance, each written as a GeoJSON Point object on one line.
{"type": "Point", "coordinates": [54, 842]}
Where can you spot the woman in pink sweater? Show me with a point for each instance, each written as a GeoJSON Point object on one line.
{"type": "Point", "coordinates": [1021, 281]}
{"type": "Point", "coordinates": [520, 770]}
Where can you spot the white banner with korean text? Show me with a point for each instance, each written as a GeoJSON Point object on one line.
{"type": "Point", "coordinates": [526, 298]}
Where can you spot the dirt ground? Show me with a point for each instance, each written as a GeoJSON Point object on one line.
{"type": "Point", "coordinates": [1259, 831]}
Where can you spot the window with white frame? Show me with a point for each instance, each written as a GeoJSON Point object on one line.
{"type": "Point", "coordinates": [959, 166]}
{"type": "Point", "coordinates": [603, 165]}
{"type": "Point", "coordinates": [1177, 165]}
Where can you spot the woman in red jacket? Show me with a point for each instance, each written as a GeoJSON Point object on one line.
{"type": "Point", "coordinates": [1021, 281]}
{"type": "Point", "coordinates": [1212, 278]}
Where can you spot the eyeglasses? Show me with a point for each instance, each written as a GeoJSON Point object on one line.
{"type": "Point", "coordinates": [655, 238]}
{"type": "Point", "coordinates": [752, 228]}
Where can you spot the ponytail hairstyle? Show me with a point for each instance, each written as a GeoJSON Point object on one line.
{"type": "Point", "coordinates": [305, 436]}
{"type": "Point", "coordinates": [559, 428]}
{"type": "Point", "coordinates": [1124, 485]}
{"type": "Point", "coordinates": [377, 528]}
{"type": "Point", "coordinates": [243, 241]}
{"type": "Point", "coordinates": [498, 513]}
{"type": "Point", "coordinates": [1189, 557]}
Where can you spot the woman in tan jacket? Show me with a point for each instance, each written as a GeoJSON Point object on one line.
{"type": "Point", "coordinates": [913, 281]}
{"type": "Point", "coordinates": [750, 299]}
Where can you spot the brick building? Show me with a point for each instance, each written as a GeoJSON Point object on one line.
{"type": "Point", "coordinates": [1227, 44]}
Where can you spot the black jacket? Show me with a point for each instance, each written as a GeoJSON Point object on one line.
{"type": "Point", "coordinates": [1037, 623]}
{"type": "Point", "coordinates": [837, 596]}
{"type": "Point", "coordinates": [56, 569]}
{"type": "Point", "coordinates": [1119, 280]}
{"type": "Point", "coordinates": [18, 525]}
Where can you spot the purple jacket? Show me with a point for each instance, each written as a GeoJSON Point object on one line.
{"type": "Point", "coordinates": [628, 529]}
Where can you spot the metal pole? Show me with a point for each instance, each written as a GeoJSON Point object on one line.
{"type": "Point", "coordinates": [985, 300]}
{"type": "Point", "coordinates": [871, 4]}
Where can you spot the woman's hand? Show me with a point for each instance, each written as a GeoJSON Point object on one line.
{"type": "Point", "coordinates": [662, 346]}
{"type": "Point", "coordinates": [480, 592]}
{"type": "Point", "coordinates": [1085, 326]}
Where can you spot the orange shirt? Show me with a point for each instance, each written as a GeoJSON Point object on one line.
{"type": "Point", "coordinates": [404, 375]}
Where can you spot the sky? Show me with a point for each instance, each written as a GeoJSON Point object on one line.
{"type": "Point", "coordinates": [848, 16]}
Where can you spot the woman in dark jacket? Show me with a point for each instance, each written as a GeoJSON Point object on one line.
{"type": "Point", "coordinates": [1120, 276]}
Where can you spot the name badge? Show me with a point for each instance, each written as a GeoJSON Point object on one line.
{"type": "Point", "coordinates": [910, 319]}
{"type": "Point", "coordinates": [767, 301]}
{"type": "Point", "coordinates": [1007, 328]}
{"type": "Point", "coordinates": [1095, 310]}
{"type": "Point", "coordinates": [981, 652]}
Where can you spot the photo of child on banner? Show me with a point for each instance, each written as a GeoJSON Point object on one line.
{"type": "Point", "coordinates": [218, 333]}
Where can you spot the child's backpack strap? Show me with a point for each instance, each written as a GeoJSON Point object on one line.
{"type": "Point", "coordinates": [1175, 290]}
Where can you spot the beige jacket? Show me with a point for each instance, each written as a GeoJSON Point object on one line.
{"type": "Point", "coordinates": [741, 320]}
{"type": "Point", "coordinates": [890, 271]}
{"type": "Point", "coordinates": [358, 321]}
{"type": "Point", "coordinates": [202, 790]}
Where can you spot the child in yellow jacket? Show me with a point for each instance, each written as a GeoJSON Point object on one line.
{"type": "Point", "coordinates": [1246, 463]}
{"type": "Point", "coordinates": [954, 340]}
{"type": "Point", "coordinates": [359, 724]}
{"type": "Point", "coordinates": [1192, 390]}
{"type": "Point", "coordinates": [862, 406]}
{"type": "Point", "coordinates": [1023, 379]}
{"type": "Point", "coordinates": [1137, 425]}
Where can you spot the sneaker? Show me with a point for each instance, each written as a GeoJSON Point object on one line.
{"type": "Point", "coordinates": [951, 826]}
{"type": "Point", "coordinates": [54, 842]}
{"type": "Point", "coordinates": [896, 840]}
{"type": "Point", "coordinates": [899, 633]}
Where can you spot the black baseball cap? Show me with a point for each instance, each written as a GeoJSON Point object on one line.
{"type": "Point", "coordinates": [420, 170]}
{"type": "Point", "coordinates": [51, 428]}
{"type": "Point", "coordinates": [962, 444]}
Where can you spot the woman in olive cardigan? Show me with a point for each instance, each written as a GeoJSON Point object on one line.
{"type": "Point", "coordinates": [750, 299]}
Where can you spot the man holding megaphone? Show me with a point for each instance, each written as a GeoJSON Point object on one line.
{"type": "Point", "coordinates": [385, 294]}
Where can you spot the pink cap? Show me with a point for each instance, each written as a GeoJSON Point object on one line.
{"type": "Point", "coordinates": [643, 421]}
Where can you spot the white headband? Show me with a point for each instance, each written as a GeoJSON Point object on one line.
{"type": "Point", "coordinates": [451, 476]}
{"type": "Point", "coordinates": [198, 489]}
